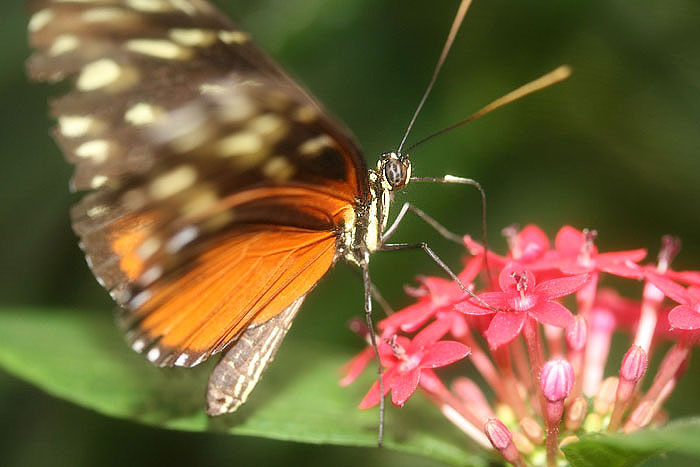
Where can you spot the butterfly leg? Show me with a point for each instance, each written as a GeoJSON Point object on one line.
{"type": "Point", "coordinates": [442, 230]}
{"type": "Point", "coordinates": [424, 246]}
{"type": "Point", "coordinates": [379, 298]}
{"type": "Point", "coordinates": [452, 180]}
{"type": "Point", "coordinates": [388, 309]}
{"type": "Point", "coordinates": [367, 282]}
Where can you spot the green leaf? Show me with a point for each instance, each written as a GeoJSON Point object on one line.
{"type": "Point", "coordinates": [82, 358]}
{"type": "Point", "coordinates": [620, 450]}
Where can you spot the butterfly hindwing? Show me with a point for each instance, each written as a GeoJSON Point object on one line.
{"type": "Point", "coordinates": [240, 368]}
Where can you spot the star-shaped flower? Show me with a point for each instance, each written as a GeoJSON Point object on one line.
{"type": "Point", "coordinates": [408, 360]}
{"type": "Point", "coordinates": [575, 253]}
{"type": "Point", "coordinates": [527, 246]}
{"type": "Point", "coordinates": [521, 297]}
{"type": "Point", "coordinates": [435, 294]}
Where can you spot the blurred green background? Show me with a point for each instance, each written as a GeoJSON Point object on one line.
{"type": "Point", "coordinates": [615, 148]}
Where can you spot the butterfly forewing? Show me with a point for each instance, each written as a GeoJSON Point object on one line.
{"type": "Point", "coordinates": [219, 187]}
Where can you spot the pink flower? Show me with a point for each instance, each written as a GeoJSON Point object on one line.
{"type": "Point", "coordinates": [685, 316]}
{"type": "Point", "coordinates": [522, 297]}
{"type": "Point", "coordinates": [527, 246]}
{"type": "Point", "coordinates": [575, 253]}
{"type": "Point", "coordinates": [520, 290]}
{"type": "Point", "coordinates": [436, 296]}
{"type": "Point", "coordinates": [409, 360]}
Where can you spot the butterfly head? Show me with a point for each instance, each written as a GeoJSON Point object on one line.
{"type": "Point", "coordinates": [394, 170]}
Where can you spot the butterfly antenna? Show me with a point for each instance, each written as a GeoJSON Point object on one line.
{"type": "Point", "coordinates": [553, 77]}
{"type": "Point", "coordinates": [459, 18]}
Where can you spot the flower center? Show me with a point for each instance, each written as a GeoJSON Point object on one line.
{"type": "Point", "coordinates": [670, 246]}
{"type": "Point", "coordinates": [408, 361]}
{"type": "Point", "coordinates": [525, 302]}
{"type": "Point", "coordinates": [520, 283]}
{"type": "Point", "coordinates": [585, 257]}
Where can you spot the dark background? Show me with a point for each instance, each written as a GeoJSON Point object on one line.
{"type": "Point", "coordinates": [615, 148]}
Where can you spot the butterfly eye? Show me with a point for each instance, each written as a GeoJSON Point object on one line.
{"type": "Point", "coordinates": [395, 173]}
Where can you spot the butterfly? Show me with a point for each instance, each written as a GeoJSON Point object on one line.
{"type": "Point", "coordinates": [218, 190]}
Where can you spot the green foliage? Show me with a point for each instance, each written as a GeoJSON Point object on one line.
{"type": "Point", "coordinates": [83, 359]}
{"type": "Point", "coordinates": [627, 450]}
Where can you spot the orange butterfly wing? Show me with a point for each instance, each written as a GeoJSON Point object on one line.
{"type": "Point", "coordinates": [249, 277]}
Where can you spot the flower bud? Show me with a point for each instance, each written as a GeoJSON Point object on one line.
{"type": "Point", "coordinates": [576, 413]}
{"type": "Point", "coordinates": [634, 364]}
{"type": "Point", "coordinates": [557, 379]}
{"type": "Point", "coordinates": [498, 434]}
{"type": "Point", "coordinates": [502, 440]}
{"type": "Point", "coordinates": [532, 430]}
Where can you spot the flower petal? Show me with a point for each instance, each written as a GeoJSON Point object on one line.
{"type": "Point", "coordinates": [459, 322]}
{"type": "Point", "coordinates": [689, 277]}
{"type": "Point", "coordinates": [694, 293]}
{"type": "Point", "coordinates": [569, 241]}
{"type": "Point", "coordinates": [634, 256]}
{"type": "Point", "coordinates": [670, 289]}
{"type": "Point", "coordinates": [504, 327]}
{"type": "Point", "coordinates": [430, 381]}
{"type": "Point", "coordinates": [432, 332]}
{"type": "Point", "coordinates": [443, 353]}
{"type": "Point", "coordinates": [354, 367]}
{"type": "Point", "coordinates": [409, 319]}
{"type": "Point", "coordinates": [441, 291]}
{"type": "Point", "coordinates": [470, 306]}
{"type": "Point", "coordinates": [471, 270]}
{"type": "Point", "coordinates": [683, 317]}
{"type": "Point", "coordinates": [476, 250]}
{"type": "Point", "coordinates": [372, 397]}
{"type": "Point", "coordinates": [629, 270]}
{"type": "Point", "coordinates": [557, 288]}
{"type": "Point", "coordinates": [532, 242]}
{"type": "Point", "coordinates": [552, 313]}
{"type": "Point", "coordinates": [404, 386]}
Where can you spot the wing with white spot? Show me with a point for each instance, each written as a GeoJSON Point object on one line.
{"type": "Point", "coordinates": [133, 61]}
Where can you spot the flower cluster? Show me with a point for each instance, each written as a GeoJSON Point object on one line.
{"type": "Point", "coordinates": [537, 325]}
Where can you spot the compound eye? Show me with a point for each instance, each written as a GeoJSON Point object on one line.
{"type": "Point", "coordinates": [395, 173]}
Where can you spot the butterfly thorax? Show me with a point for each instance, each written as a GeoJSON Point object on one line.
{"type": "Point", "coordinates": [362, 235]}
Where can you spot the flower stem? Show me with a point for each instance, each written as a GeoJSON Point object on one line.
{"type": "Point", "coordinates": [519, 353]}
{"type": "Point", "coordinates": [502, 357]}
{"type": "Point", "coordinates": [652, 298]}
{"type": "Point", "coordinates": [668, 368]}
{"type": "Point", "coordinates": [457, 412]}
{"type": "Point", "coordinates": [484, 366]}
{"type": "Point", "coordinates": [534, 349]}
{"type": "Point", "coordinates": [553, 335]}
{"type": "Point", "coordinates": [553, 439]}
{"type": "Point", "coordinates": [586, 296]}
{"type": "Point", "coordinates": [601, 326]}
